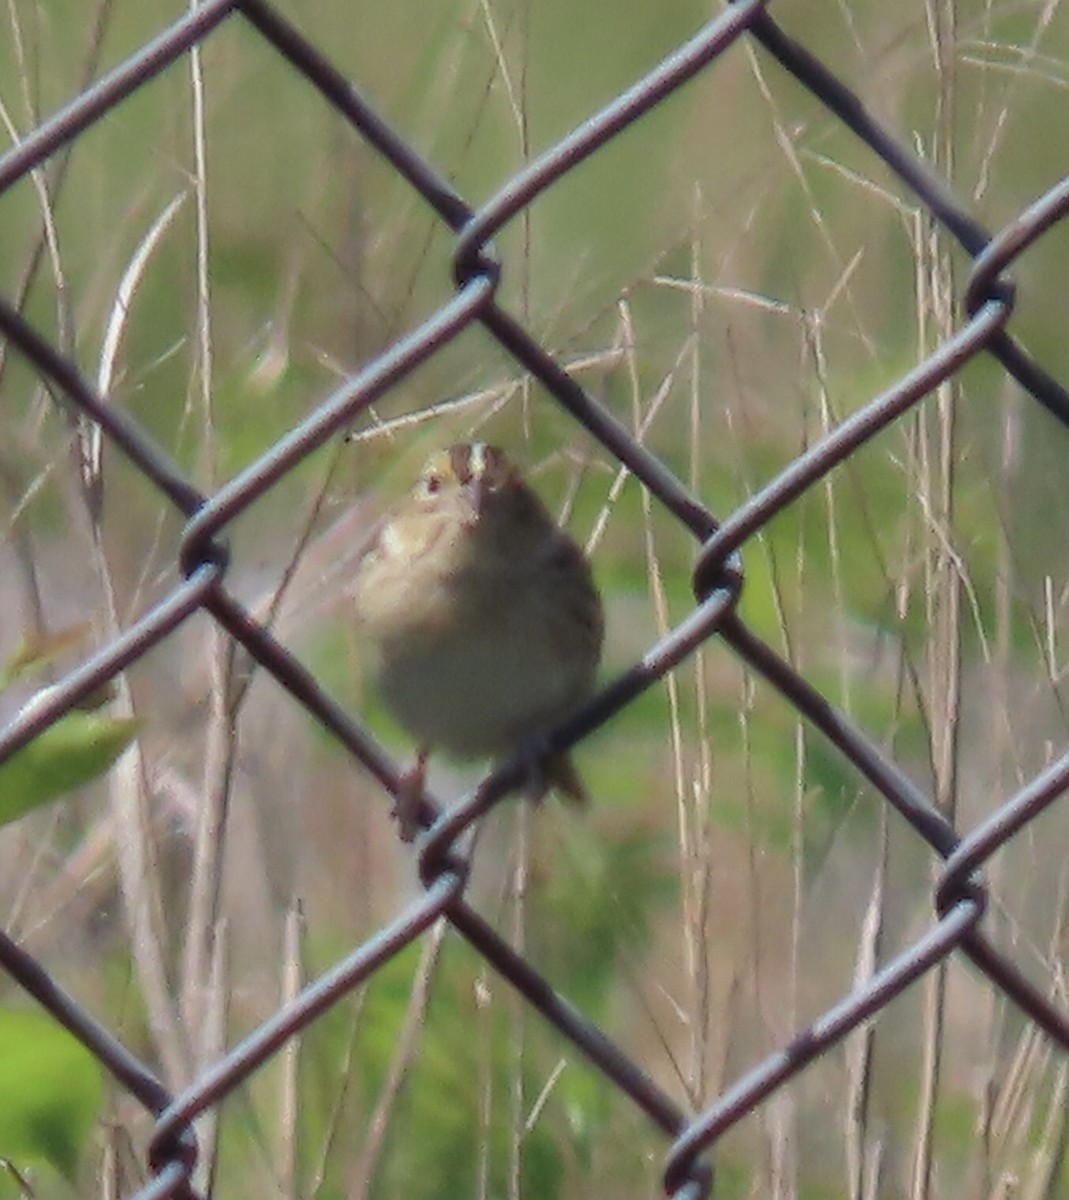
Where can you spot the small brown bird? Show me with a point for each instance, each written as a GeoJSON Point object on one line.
{"type": "Point", "coordinates": [483, 615]}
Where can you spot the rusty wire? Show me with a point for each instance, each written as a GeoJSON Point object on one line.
{"type": "Point", "coordinates": [960, 896]}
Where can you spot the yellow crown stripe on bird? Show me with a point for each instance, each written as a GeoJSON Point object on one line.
{"type": "Point", "coordinates": [469, 462]}
{"type": "Point", "coordinates": [482, 613]}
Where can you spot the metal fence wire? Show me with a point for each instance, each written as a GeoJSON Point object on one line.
{"type": "Point", "coordinates": [961, 895]}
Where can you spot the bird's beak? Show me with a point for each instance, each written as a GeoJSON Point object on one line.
{"type": "Point", "coordinates": [475, 492]}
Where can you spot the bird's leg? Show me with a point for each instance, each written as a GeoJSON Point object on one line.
{"type": "Point", "coordinates": [409, 801]}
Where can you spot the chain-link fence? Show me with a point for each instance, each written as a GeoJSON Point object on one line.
{"type": "Point", "coordinates": [984, 329]}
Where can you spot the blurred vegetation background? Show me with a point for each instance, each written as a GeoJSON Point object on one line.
{"type": "Point", "coordinates": [731, 276]}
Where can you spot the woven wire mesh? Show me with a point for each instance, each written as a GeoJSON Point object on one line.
{"type": "Point", "coordinates": [983, 330]}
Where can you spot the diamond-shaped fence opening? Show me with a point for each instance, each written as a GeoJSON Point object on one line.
{"type": "Point", "coordinates": [869, 557]}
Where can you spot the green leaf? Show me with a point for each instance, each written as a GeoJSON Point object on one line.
{"type": "Point", "coordinates": [77, 748]}
{"type": "Point", "coordinates": [50, 1093]}
{"type": "Point", "coordinates": [35, 653]}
